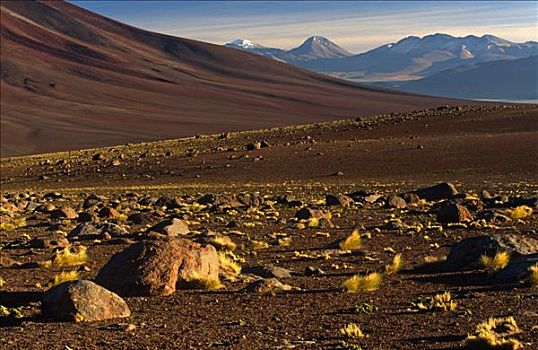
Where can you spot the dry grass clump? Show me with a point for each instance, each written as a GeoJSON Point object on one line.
{"type": "Point", "coordinates": [70, 256]}
{"type": "Point", "coordinates": [495, 334]}
{"type": "Point", "coordinates": [395, 266]}
{"type": "Point", "coordinates": [520, 212]}
{"type": "Point", "coordinates": [365, 283]}
{"type": "Point", "coordinates": [228, 266]}
{"type": "Point", "coordinates": [352, 242]}
{"type": "Point", "coordinates": [63, 277]}
{"type": "Point", "coordinates": [498, 262]}
{"type": "Point", "coordinates": [351, 330]}
{"type": "Point", "coordinates": [256, 245]}
{"type": "Point", "coordinates": [439, 302]}
{"type": "Point", "coordinates": [198, 282]}
{"type": "Point", "coordinates": [13, 224]}
{"type": "Point", "coordinates": [534, 275]}
{"type": "Point", "coordinates": [223, 243]}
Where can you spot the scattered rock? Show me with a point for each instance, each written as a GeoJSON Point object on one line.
{"type": "Point", "coordinates": [108, 213]}
{"type": "Point", "coordinates": [158, 267]}
{"type": "Point", "coordinates": [518, 268]}
{"type": "Point", "coordinates": [454, 212]}
{"type": "Point", "coordinates": [49, 242]}
{"type": "Point", "coordinates": [267, 285]}
{"type": "Point", "coordinates": [309, 213]}
{"type": "Point", "coordinates": [64, 213]}
{"type": "Point", "coordinates": [313, 271]}
{"type": "Point", "coordinates": [444, 190]}
{"type": "Point", "coordinates": [82, 301]}
{"type": "Point", "coordinates": [466, 254]}
{"type": "Point", "coordinates": [342, 200]}
{"type": "Point", "coordinates": [396, 202]}
{"type": "Point", "coordinates": [171, 227]}
{"type": "Point", "coordinates": [268, 271]}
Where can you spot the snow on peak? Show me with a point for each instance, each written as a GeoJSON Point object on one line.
{"type": "Point", "coordinates": [244, 43]}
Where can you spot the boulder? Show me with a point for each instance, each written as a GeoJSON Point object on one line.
{"type": "Point", "coordinates": [64, 213]}
{"type": "Point", "coordinates": [82, 301]}
{"type": "Point", "coordinates": [108, 213]}
{"type": "Point", "coordinates": [267, 285]}
{"type": "Point", "coordinates": [444, 190]}
{"type": "Point", "coordinates": [453, 212]}
{"type": "Point", "coordinates": [518, 268]}
{"type": "Point", "coordinates": [171, 227]}
{"type": "Point", "coordinates": [466, 254]}
{"type": "Point", "coordinates": [158, 267]}
{"type": "Point", "coordinates": [396, 202]}
{"type": "Point", "coordinates": [49, 242]}
{"type": "Point", "coordinates": [267, 271]}
{"type": "Point", "coordinates": [87, 231]}
{"type": "Point", "coordinates": [309, 213]}
{"type": "Point", "coordinates": [341, 200]}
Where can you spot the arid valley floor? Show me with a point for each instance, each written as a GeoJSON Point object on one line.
{"type": "Point", "coordinates": [247, 188]}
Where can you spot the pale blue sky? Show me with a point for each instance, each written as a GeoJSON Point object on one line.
{"type": "Point", "coordinates": [357, 26]}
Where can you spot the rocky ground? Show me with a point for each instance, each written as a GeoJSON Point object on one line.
{"type": "Point", "coordinates": [253, 240]}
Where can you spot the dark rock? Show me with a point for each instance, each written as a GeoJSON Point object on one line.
{"type": "Point", "coordinates": [64, 213]}
{"type": "Point", "coordinates": [453, 212]}
{"type": "Point", "coordinates": [267, 271]}
{"type": "Point", "coordinates": [396, 202]}
{"type": "Point", "coordinates": [518, 269]}
{"type": "Point", "coordinates": [466, 254]}
{"type": "Point", "coordinates": [171, 227]}
{"type": "Point", "coordinates": [266, 286]}
{"type": "Point", "coordinates": [341, 200]}
{"type": "Point", "coordinates": [444, 190]}
{"type": "Point", "coordinates": [309, 213]}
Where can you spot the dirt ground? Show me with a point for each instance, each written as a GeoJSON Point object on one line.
{"type": "Point", "coordinates": [475, 148]}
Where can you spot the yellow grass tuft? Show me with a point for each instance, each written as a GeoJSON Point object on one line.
{"type": "Point", "coordinates": [13, 224]}
{"type": "Point", "coordinates": [366, 283]}
{"type": "Point", "coordinates": [63, 277]}
{"type": "Point", "coordinates": [198, 282]}
{"type": "Point", "coordinates": [223, 243]}
{"type": "Point", "coordinates": [352, 242]}
{"type": "Point", "coordinates": [395, 266]}
{"type": "Point", "coordinates": [228, 266]}
{"type": "Point", "coordinates": [534, 275]}
{"type": "Point", "coordinates": [439, 302]}
{"type": "Point", "coordinates": [351, 330]}
{"type": "Point", "coordinates": [495, 334]}
{"type": "Point", "coordinates": [256, 245]}
{"type": "Point", "coordinates": [498, 262]}
{"type": "Point", "coordinates": [520, 212]}
{"type": "Point", "coordinates": [70, 256]}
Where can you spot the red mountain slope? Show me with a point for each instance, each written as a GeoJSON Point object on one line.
{"type": "Point", "coordinates": [73, 79]}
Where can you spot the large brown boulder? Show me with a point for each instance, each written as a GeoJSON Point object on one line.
{"type": "Point", "coordinates": [158, 267]}
{"type": "Point", "coordinates": [82, 301]}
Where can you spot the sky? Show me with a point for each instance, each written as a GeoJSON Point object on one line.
{"type": "Point", "coordinates": [355, 25]}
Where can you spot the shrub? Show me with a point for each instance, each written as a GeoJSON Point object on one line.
{"type": "Point", "coordinates": [70, 256]}
{"type": "Point", "coordinates": [198, 282]}
{"type": "Point", "coordinates": [495, 334]}
{"type": "Point", "coordinates": [395, 266]}
{"type": "Point", "coordinates": [498, 262]}
{"type": "Point", "coordinates": [534, 275]}
{"type": "Point", "coordinates": [351, 330]}
{"type": "Point", "coordinates": [520, 212]}
{"type": "Point", "coordinates": [223, 243]}
{"type": "Point", "coordinates": [352, 242]}
{"type": "Point", "coordinates": [366, 283]}
{"type": "Point", "coordinates": [228, 266]}
{"type": "Point", "coordinates": [63, 277]}
{"type": "Point", "coordinates": [439, 302]}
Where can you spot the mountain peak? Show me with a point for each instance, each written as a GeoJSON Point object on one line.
{"type": "Point", "coordinates": [244, 43]}
{"type": "Point", "coordinates": [317, 46]}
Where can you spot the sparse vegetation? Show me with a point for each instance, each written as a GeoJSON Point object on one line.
{"type": "Point", "coordinates": [495, 333]}
{"type": "Point", "coordinates": [438, 302]}
{"type": "Point", "coordinates": [351, 330]}
{"type": "Point", "coordinates": [224, 243]}
{"type": "Point", "coordinates": [395, 266]}
{"type": "Point", "coordinates": [520, 212]}
{"type": "Point", "coordinates": [70, 256]}
{"type": "Point", "coordinates": [13, 224]}
{"type": "Point", "coordinates": [352, 242]}
{"type": "Point", "coordinates": [369, 282]}
{"type": "Point", "coordinates": [63, 277]}
{"type": "Point", "coordinates": [197, 282]}
{"type": "Point", "coordinates": [496, 263]}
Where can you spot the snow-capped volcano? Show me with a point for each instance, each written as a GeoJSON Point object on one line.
{"type": "Point", "coordinates": [245, 44]}
{"type": "Point", "coordinates": [317, 47]}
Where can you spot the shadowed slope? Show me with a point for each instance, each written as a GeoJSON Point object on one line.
{"type": "Point", "coordinates": [72, 79]}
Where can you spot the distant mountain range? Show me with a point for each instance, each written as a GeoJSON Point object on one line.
{"type": "Point", "coordinates": [414, 58]}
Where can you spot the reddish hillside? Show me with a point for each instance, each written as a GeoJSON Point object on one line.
{"type": "Point", "coordinates": [73, 79]}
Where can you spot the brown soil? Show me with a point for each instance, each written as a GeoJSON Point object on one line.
{"type": "Point", "coordinates": [474, 148]}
